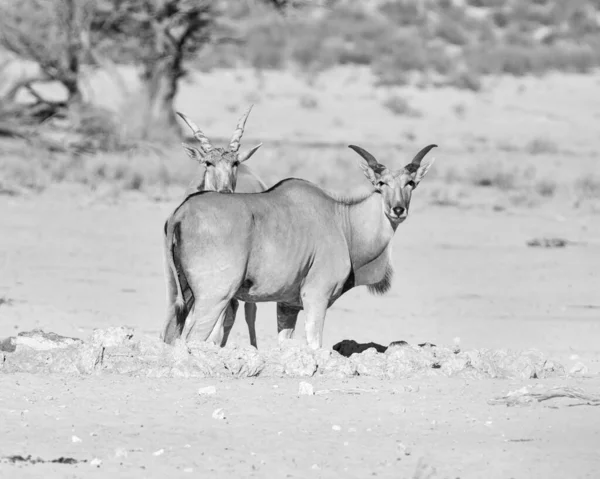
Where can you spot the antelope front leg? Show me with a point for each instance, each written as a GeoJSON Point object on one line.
{"type": "Point", "coordinates": [286, 321]}
{"type": "Point", "coordinates": [315, 306]}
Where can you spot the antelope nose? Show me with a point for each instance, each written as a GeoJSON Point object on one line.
{"type": "Point", "coordinates": [398, 210]}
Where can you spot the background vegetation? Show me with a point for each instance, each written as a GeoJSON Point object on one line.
{"type": "Point", "coordinates": [416, 43]}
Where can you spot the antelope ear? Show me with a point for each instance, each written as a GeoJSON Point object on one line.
{"type": "Point", "coordinates": [368, 171]}
{"type": "Point", "coordinates": [193, 152]}
{"type": "Point", "coordinates": [372, 169]}
{"type": "Point", "coordinates": [423, 169]}
{"type": "Point", "coordinates": [246, 156]}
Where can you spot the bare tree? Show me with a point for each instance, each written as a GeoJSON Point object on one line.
{"type": "Point", "coordinates": [160, 36]}
{"type": "Point", "coordinates": [54, 34]}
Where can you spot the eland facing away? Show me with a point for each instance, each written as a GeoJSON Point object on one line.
{"type": "Point", "coordinates": [294, 244]}
{"type": "Point", "coordinates": [222, 170]}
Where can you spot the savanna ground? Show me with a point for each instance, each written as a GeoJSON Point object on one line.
{"type": "Point", "coordinates": [516, 161]}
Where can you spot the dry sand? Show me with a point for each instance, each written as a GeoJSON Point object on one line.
{"type": "Point", "coordinates": [70, 264]}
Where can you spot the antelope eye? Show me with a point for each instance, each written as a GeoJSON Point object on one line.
{"type": "Point", "coordinates": [236, 164]}
{"type": "Point", "coordinates": [410, 183]}
{"type": "Point", "coordinates": [381, 183]}
{"type": "Point", "coordinates": [208, 163]}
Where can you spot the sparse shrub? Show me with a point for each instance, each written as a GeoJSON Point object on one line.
{"type": "Point", "coordinates": [402, 12]}
{"type": "Point", "coordinates": [451, 31]}
{"type": "Point", "coordinates": [523, 199]}
{"type": "Point", "coordinates": [588, 186]}
{"type": "Point", "coordinates": [541, 146]}
{"type": "Point", "coordinates": [466, 80]}
{"type": "Point", "coordinates": [492, 175]}
{"type": "Point", "coordinates": [400, 106]}
{"type": "Point", "coordinates": [460, 110]}
{"type": "Point", "coordinates": [308, 102]}
{"type": "Point", "coordinates": [507, 146]}
{"type": "Point", "coordinates": [546, 187]}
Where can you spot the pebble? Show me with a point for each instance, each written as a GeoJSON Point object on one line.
{"type": "Point", "coordinates": [159, 452]}
{"type": "Point", "coordinates": [120, 452]}
{"type": "Point", "coordinates": [335, 427]}
{"type": "Point", "coordinates": [403, 448]}
{"type": "Point", "coordinates": [218, 413]}
{"type": "Point", "coordinates": [306, 389]}
{"type": "Point", "coordinates": [207, 391]}
{"type": "Point", "coordinates": [96, 462]}
{"type": "Point", "coordinates": [75, 439]}
{"type": "Point", "coordinates": [188, 469]}
{"type": "Point", "coordinates": [579, 368]}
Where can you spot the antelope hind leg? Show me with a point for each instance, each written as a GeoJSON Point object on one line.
{"type": "Point", "coordinates": [250, 314]}
{"type": "Point", "coordinates": [230, 313]}
{"type": "Point", "coordinates": [286, 321]}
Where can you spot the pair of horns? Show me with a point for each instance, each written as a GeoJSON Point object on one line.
{"type": "Point", "coordinates": [234, 144]}
{"type": "Point", "coordinates": [378, 167]}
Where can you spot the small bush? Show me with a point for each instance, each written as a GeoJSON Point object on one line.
{"type": "Point", "coordinates": [542, 146]}
{"type": "Point", "coordinates": [546, 187]}
{"type": "Point", "coordinates": [308, 102]}
{"type": "Point", "coordinates": [492, 175]}
{"type": "Point", "coordinates": [588, 186]}
{"type": "Point", "coordinates": [400, 106]}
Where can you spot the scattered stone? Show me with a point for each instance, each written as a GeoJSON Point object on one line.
{"type": "Point", "coordinates": [207, 391]}
{"type": "Point", "coordinates": [298, 361]}
{"type": "Point", "coordinates": [96, 462]}
{"type": "Point", "coordinates": [218, 413]}
{"type": "Point", "coordinates": [188, 469]}
{"type": "Point", "coordinates": [160, 452]}
{"type": "Point", "coordinates": [403, 449]}
{"type": "Point", "coordinates": [75, 439]}
{"type": "Point", "coordinates": [315, 467]}
{"type": "Point", "coordinates": [42, 341]}
{"type": "Point", "coordinates": [8, 345]}
{"type": "Point", "coordinates": [121, 452]}
{"type": "Point", "coordinates": [547, 243]}
{"type": "Point", "coordinates": [335, 427]}
{"type": "Point", "coordinates": [306, 389]}
{"type": "Point", "coordinates": [123, 351]}
{"type": "Point", "coordinates": [579, 369]}
{"type": "Point", "coordinates": [526, 395]}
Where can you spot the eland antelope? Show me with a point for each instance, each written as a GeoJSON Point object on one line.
{"type": "Point", "coordinates": [294, 243]}
{"type": "Point", "coordinates": [222, 170]}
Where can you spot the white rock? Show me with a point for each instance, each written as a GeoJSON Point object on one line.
{"type": "Point", "coordinates": [75, 439]}
{"type": "Point", "coordinates": [335, 427]}
{"type": "Point", "coordinates": [218, 413]}
{"type": "Point", "coordinates": [120, 452]}
{"type": "Point", "coordinates": [159, 452]}
{"type": "Point", "coordinates": [579, 368]}
{"type": "Point", "coordinates": [207, 391]}
{"type": "Point", "coordinates": [306, 389]}
{"type": "Point", "coordinates": [96, 462]}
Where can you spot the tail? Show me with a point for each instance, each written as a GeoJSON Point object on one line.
{"type": "Point", "coordinates": [171, 241]}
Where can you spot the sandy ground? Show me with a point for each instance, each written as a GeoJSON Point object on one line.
{"type": "Point", "coordinates": [71, 262]}
{"type": "Point", "coordinates": [69, 266]}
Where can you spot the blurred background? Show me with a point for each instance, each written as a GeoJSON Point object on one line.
{"type": "Point", "coordinates": [508, 89]}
